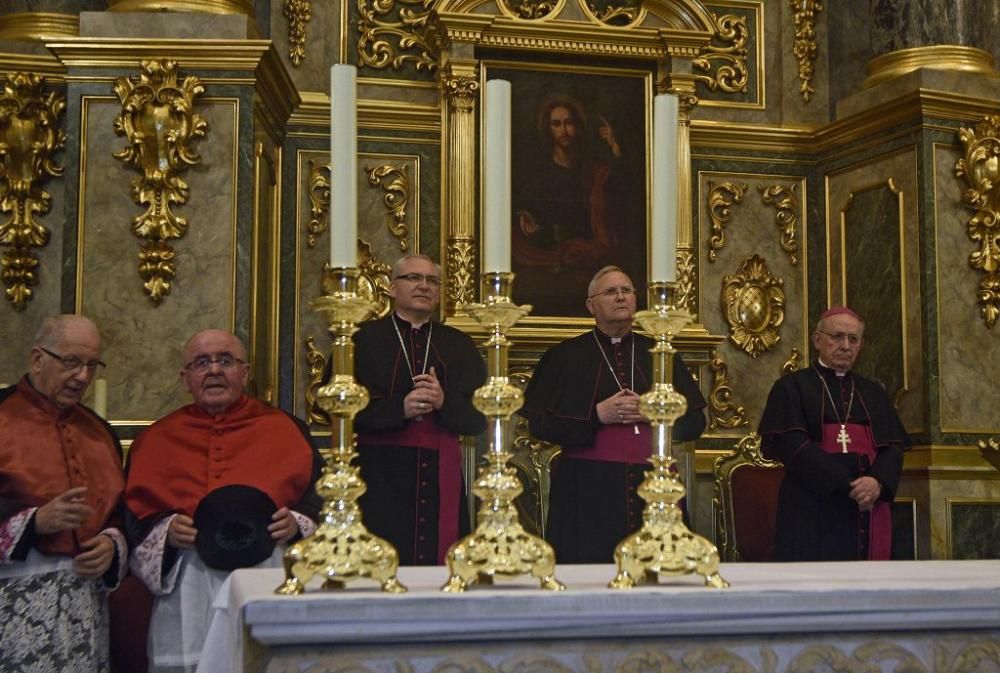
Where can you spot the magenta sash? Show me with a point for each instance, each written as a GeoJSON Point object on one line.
{"type": "Point", "coordinates": [618, 443]}
{"type": "Point", "coordinates": [428, 434]}
{"type": "Point", "coordinates": [862, 443]}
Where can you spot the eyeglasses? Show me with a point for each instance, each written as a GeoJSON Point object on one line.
{"type": "Point", "coordinates": [203, 363]}
{"type": "Point", "coordinates": [613, 292]}
{"type": "Point", "coordinates": [419, 278]}
{"type": "Point", "coordinates": [71, 363]}
{"type": "Point", "coordinates": [853, 339]}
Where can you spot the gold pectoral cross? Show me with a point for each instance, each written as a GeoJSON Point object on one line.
{"type": "Point", "coordinates": [843, 438]}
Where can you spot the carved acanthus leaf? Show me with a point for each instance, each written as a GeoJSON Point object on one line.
{"type": "Point", "coordinates": [720, 200]}
{"type": "Point", "coordinates": [784, 201]}
{"type": "Point", "coordinates": [397, 195]}
{"type": "Point", "coordinates": [805, 47]}
{"type": "Point", "coordinates": [728, 54]}
{"type": "Point", "coordinates": [393, 33]}
{"type": "Point", "coordinates": [722, 412]}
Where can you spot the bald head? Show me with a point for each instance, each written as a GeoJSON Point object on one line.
{"type": "Point", "coordinates": [215, 370]}
{"type": "Point", "coordinates": [65, 358]}
{"type": "Point", "coordinates": [55, 329]}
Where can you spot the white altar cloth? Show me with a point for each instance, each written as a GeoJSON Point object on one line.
{"type": "Point", "coordinates": [928, 596]}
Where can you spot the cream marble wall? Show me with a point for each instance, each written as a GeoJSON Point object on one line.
{"type": "Point", "coordinates": [752, 230]}
{"type": "Point", "coordinates": [144, 341]}
{"type": "Point", "coordinates": [967, 350]}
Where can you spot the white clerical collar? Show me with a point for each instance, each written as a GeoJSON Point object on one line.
{"type": "Point", "coordinates": [413, 325]}
{"type": "Point", "coordinates": [835, 371]}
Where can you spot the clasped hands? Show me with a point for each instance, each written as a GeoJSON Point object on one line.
{"type": "Point", "coordinates": [427, 395]}
{"type": "Point", "coordinates": [622, 407]}
{"type": "Point", "coordinates": [68, 511]}
{"type": "Point", "coordinates": [181, 532]}
{"type": "Point", "coordinates": [865, 491]}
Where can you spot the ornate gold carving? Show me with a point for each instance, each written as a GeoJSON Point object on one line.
{"type": "Point", "coordinates": [319, 202]}
{"type": "Point", "coordinates": [317, 365]}
{"type": "Point", "coordinates": [397, 194]}
{"type": "Point", "coordinates": [687, 280]}
{"type": "Point", "coordinates": [981, 169]}
{"type": "Point", "coordinates": [621, 14]}
{"type": "Point", "coordinates": [298, 13]}
{"type": "Point", "coordinates": [159, 121]}
{"type": "Point", "coordinates": [783, 199]}
{"type": "Point", "coordinates": [747, 453]}
{"type": "Point", "coordinates": [461, 91]}
{"type": "Point", "coordinates": [754, 306]}
{"type": "Point", "coordinates": [720, 199]}
{"type": "Point", "coordinates": [529, 9]}
{"type": "Point", "coordinates": [792, 364]}
{"type": "Point", "coordinates": [722, 412]}
{"type": "Point", "coordinates": [991, 450]}
{"type": "Point", "coordinates": [460, 266]}
{"type": "Point", "coordinates": [393, 34]}
{"type": "Point", "coordinates": [805, 41]}
{"type": "Point", "coordinates": [29, 136]}
{"type": "Point", "coordinates": [730, 51]}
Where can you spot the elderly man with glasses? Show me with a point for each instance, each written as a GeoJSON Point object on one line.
{"type": "Point", "coordinates": [421, 375]}
{"type": "Point", "coordinates": [196, 455]}
{"type": "Point", "coordinates": [61, 547]}
{"type": "Point", "coordinates": [584, 396]}
{"type": "Point", "coordinates": [841, 442]}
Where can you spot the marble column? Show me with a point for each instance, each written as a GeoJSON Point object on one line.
{"type": "Point", "coordinates": [906, 24]}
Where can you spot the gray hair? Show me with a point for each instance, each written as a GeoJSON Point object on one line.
{"type": "Point", "coordinates": [398, 266]}
{"type": "Point", "coordinates": [603, 271]}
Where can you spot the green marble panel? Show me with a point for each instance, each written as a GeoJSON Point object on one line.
{"type": "Point", "coordinates": [975, 531]}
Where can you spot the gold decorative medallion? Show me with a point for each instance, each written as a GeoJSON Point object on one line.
{"type": "Point", "coordinates": [981, 169]}
{"type": "Point", "coordinates": [729, 52]}
{"type": "Point", "coordinates": [720, 201]}
{"type": "Point", "coordinates": [397, 195]}
{"type": "Point", "coordinates": [805, 41]}
{"type": "Point", "coordinates": [160, 124]}
{"type": "Point", "coordinates": [783, 199]}
{"type": "Point", "coordinates": [298, 13]}
{"type": "Point", "coordinates": [29, 136]}
{"type": "Point", "coordinates": [393, 33]}
{"type": "Point", "coordinates": [722, 413]}
{"type": "Point", "coordinates": [753, 304]}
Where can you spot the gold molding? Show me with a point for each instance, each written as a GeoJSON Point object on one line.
{"type": "Point", "coordinates": [948, 57]}
{"type": "Point", "coordinates": [720, 200]}
{"type": "Point", "coordinates": [39, 26]}
{"type": "Point", "coordinates": [393, 33]}
{"type": "Point", "coordinates": [396, 198]}
{"type": "Point", "coordinates": [372, 114]}
{"type": "Point", "coordinates": [298, 13]}
{"type": "Point", "coordinates": [201, 6]}
{"type": "Point", "coordinates": [784, 201]}
{"type": "Point", "coordinates": [158, 120]}
{"type": "Point", "coordinates": [726, 63]}
{"type": "Point", "coordinates": [753, 304]}
{"type": "Point", "coordinates": [29, 137]}
{"type": "Point", "coordinates": [979, 168]}
{"type": "Point", "coordinates": [722, 412]}
{"type": "Point", "coordinates": [805, 47]}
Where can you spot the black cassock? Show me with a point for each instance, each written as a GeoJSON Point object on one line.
{"type": "Point", "coordinates": [406, 497]}
{"type": "Point", "coordinates": [816, 518]}
{"type": "Point", "coordinates": [593, 504]}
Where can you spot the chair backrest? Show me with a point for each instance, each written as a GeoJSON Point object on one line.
{"type": "Point", "coordinates": [745, 502]}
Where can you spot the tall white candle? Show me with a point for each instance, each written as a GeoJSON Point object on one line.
{"type": "Point", "coordinates": [343, 162]}
{"type": "Point", "coordinates": [101, 397]}
{"type": "Point", "coordinates": [496, 177]}
{"type": "Point", "coordinates": [663, 259]}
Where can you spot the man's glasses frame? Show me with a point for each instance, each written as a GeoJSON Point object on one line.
{"type": "Point", "coordinates": [71, 363]}
{"type": "Point", "coordinates": [853, 339]}
{"type": "Point", "coordinates": [613, 292]}
{"type": "Point", "coordinates": [434, 281]}
{"type": "Point", "coordinates": [203, 363]}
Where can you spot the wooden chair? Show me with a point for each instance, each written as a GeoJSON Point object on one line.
{"type": "Point", "coordinates": [745, 502]}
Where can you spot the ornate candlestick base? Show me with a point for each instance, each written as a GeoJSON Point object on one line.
{"type": "Point", "coordinates": [499, 547]}
{"type": "Point", "coordinates": [341, 549]}
{"type": "Point", "coordinates": [663, 545]}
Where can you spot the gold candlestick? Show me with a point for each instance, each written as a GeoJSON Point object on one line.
{"type": "Point", "coordinates": [663, 545]}
{"type": "Point", "coordinates": [341, 549]}
{"type": "Point", "coordinates": [499, 547]}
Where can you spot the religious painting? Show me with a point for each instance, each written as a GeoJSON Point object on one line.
{"type": "Point", "coordinates": [579, 167]}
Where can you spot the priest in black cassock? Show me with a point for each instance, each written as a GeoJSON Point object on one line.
{"type": "Point", "coordinates": [584, 396]}
{"type": "Point", "coordinates": [841, 442]}
{"type": "Point", "coordinates": [421, 375]}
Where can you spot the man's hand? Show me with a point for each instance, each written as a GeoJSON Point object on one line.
{"type": "Point", "coordinates": [181, 532]}
{"type": "Point", "coordinates": [427, 395]}
{"type": "Point", "coordinates": [865, 491]}
{"type": "Point", "coordinates": [608, 135]}
{"type": "Point", "coordinates": [622, 407]}
{"type": "Point", "coordinates": [64, 512]}
{"type": "Point", "coordinates": [96, 557]}
{"type": "Point", "coordinates": [283, 526]}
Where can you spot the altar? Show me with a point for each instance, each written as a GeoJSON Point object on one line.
{"type": "Point", "coordinates": [871, 616]}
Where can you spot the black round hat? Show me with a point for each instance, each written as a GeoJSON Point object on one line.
{"type": "Point", "coordinates": [232, 526]}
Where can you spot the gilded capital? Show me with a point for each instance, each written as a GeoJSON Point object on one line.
{"type": "Point", "coordinates": [461, 91]}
